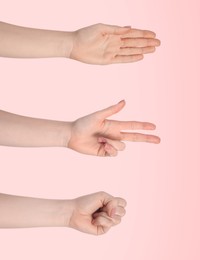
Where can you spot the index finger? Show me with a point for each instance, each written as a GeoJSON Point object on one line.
{"type": "Point", "coordinates": [132, 125]}
{"type": "Point", "coordinates": [137, 33]}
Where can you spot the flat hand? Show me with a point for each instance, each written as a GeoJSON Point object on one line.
{"type": "Point", "coordinates": [97, 213]}
{"type": "Point", "coordinates": [106, 44]}
{"type": "Point", "coordinates": [96, 135]}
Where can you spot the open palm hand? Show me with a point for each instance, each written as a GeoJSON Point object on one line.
{"type": "Point", "coordinates": [106, 44]}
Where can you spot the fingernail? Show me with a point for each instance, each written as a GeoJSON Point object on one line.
{"type": "Point", "coordinates": [127, 26]}
{"type": "Point", "coordinates": [153, 127]}
{"type": "Point", "coordinates": [159, 140]}
{"type": "Point", "coordinates": [121, 101]}
{"type": "Point", "coordinates": [158, 43]}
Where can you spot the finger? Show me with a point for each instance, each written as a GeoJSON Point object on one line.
{"type": "Point", "coordinates": [104, 113]}
{"type": "Point", "coordinates": [101, 219]}
{"type": "Point", "coordinates": [101, 151]}
{"type": "Point", "coordinates": [102, 224]}
{"type": "Point", "coordinates": [121, 202]}
{"type": "Point", "coordinates": [101, 213]}
{"type": "Point", "coordinates": [120, 211]}
{"type": "Point", "coordinates": [115, 219]}
{"type": "Point", "coordinates": [106, 149]}
{"type": "Point", "coordinates": [139, 42]}
{"type": "Point", "coordinates": [136, 51]}
{"type": "Point", "coordinates": [118, 145]}
{"type": "Point", "coordinates": [111, 206]}
{"type": "Point", "coordinates": [110, 150]}
{"type": "Point", "coordinates": [136, 33]}
{"type": "Point", "coordinates": [137, 137]}
{"type": "Point", "coordinates": [109, 201]}
{"type": "Point", "coordinates": [114, 29]}
{"type": "Point", "coordinates": [127, 59]}
{"type": "Point", "coordinates": [133, 125]}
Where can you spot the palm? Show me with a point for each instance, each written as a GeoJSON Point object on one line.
{"type": "Point", "coordinates": [105, 44]}
{"type": "Point", "coordinates": [85, 138]}
{"type": "Point", "coordinates": [89, 45]}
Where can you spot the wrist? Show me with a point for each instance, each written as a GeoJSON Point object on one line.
{"type": "Point", "coordinates": [65, 134]}
{"type": "Point", "coordinates": [63, 213]}
{"type": "Point", "coordinates": [66, 213]}
{"type": "Point", "coordinates": [53, 213]}
{"type": "Point", "coordinates": [66, 44]}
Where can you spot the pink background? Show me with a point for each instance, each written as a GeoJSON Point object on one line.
{"type": "Point", "coordinates": [160, 182]}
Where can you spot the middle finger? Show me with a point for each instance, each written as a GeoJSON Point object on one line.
{"type": "Point", "coordinates": [139, 42]}
{"type": "Point", "coordinates": [137, 137]}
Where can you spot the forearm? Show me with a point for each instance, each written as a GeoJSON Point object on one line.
{"type": "Point", "coordinates": [22, 42]}
{"type": "Point", "coordinates": [24, 212]}
{"type": "Point", "coordinates": [16, 130]}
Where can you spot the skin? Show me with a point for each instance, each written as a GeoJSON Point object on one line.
{"type": "Point", "coordinates": [93, 214]}
{"type": "Point", "coordinates": [93, 134]}
{"type": "Point", "coordinates": [96, 44]}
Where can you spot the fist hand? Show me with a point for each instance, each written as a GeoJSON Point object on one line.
{"type": "Point", "coordinates": [97, 213]}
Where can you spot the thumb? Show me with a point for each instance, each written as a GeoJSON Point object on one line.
{"type": "Point", "coordinates": [114, 29]}
{"type": "Point", "coordinates": [110, 208]}
{"type": "Point", "coordinates": [104, 113]}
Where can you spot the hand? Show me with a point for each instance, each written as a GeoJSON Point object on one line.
{"type": "Point", "coordinates": [106, 44]}
{"type": "Point", "coordinates": [96, 213]}
{"type": "Point", "coordinates": [96, 135]}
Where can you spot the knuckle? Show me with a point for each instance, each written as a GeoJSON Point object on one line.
{"type": "Point", "coordinates": [102, 193]}
{"type": "Point", "coordinates": [150, 42]}
{"type": "Point", "coordinates": [132, 125]}
{"type": "Point", "coordinates": [124, 212]}
{"type": "Point", "coordinates": [122, 42]}
{"type": "Point", "coordinates": [134, 138]}
{"type": "Point", "coordinates": [141, 51]}
{"type": "Point", "coordinates": [118, 221]}
{"type": "Point", "coordinates": [99, 24]}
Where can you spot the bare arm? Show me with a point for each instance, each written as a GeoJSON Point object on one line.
{"type": "Point", "coordinates": [93, 134]}
{"type": "Point", "coordinates": [17, 130]}
{"type": "Point", "coordinates": [93, 214]}
{"type": "Point", "coordinates": [96, 44]}
{"type": "Point", "coordinates": [21, 212]}
{"type": "Point", "coordinates": [23, 42]}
